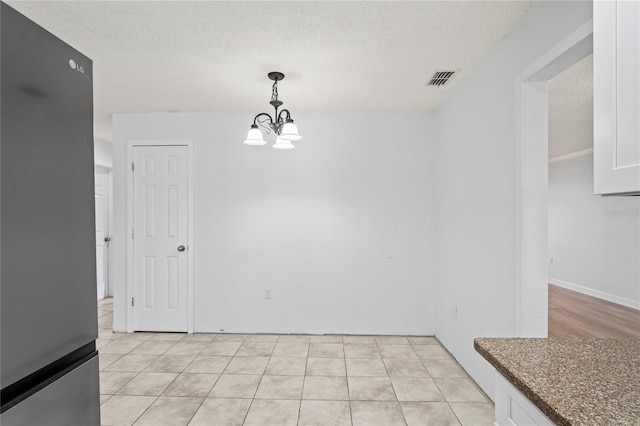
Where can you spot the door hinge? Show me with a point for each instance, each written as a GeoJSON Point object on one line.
{"type": "Point", "coordinates": [132, 166]}
{"type": "Point", "coordinates": [133, 303]}
{"type": "Point", "coordinates": [132, 234]}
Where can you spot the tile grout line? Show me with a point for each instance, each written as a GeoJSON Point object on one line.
{"type": "Point", "coordinates": [393, 387]}
{"type": "Point", "coordinates": [182, 372]}
{"type": "Point", "coordinates": [346, 379]}
{"type": "Point", "coordinates": [131, 379]}
{"type": "Point", "coordinates": [146, 409]}
{"type": "Point", "coordinates": [198, 409]}
{"type": "Point", "coordinates": [260, 382]}
{"type": "Point", "coordinates": [304, 380]}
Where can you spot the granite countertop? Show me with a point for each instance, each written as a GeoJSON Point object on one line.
{"type": "Point", "coordinates": [572, 381]}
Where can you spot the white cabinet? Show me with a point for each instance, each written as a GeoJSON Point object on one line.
{"type": "Point", "coordinates": [616, 74]}
{"type": "Point", "coordinates": [513, 408]}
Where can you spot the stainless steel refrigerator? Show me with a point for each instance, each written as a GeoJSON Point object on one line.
{"type": "Point", "coordinates": [48, 321]}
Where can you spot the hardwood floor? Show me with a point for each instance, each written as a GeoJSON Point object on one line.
{"type": "Point", "coordinates": [573, 314]}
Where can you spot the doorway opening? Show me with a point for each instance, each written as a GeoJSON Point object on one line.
{"type": "Point", "coordinates": [532, 189]}
{"type": "Point", "coordinates": [593, 241]}
{"type": "Point", "coordinates": [104, 225]}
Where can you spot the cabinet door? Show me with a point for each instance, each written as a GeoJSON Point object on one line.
{"type": "Point", "coordinates": [513, 408]}
{"type": "Point", "coordinates": [616, 97]}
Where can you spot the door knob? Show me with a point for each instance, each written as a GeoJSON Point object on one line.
{"type": "Point", "coordinates": [181, 248]}
{"type": "Point", "coordinates": [107, 239]}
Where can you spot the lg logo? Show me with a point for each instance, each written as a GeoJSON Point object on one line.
{"type": "Point", "coordinates": [75, 66]}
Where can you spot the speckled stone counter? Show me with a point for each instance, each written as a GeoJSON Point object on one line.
{"type": "Point", "coordinates": [572, 381]}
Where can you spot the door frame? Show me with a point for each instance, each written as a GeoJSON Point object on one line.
{"type": "Point", "coordinates": [532, 188]}
{"type": "Point", "coordinates": [108, 170]}
{"type": "Point", "coordinates": [131, 144]}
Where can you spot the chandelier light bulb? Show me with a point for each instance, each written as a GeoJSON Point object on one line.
{"type": "Point", "coordinates": [254, 137]}
{"type": "Point", "coordinates": [282, 144]}
{"type": "Point", "coordinates": [290, 131]}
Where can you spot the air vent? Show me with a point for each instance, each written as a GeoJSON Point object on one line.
{"type": "Point", "coordinates": [440, 78]}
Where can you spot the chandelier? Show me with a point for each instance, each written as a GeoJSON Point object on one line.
{"type": "Point", "coordinates": [281, 123]}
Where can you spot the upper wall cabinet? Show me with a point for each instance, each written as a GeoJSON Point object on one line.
{"type": "Point", "coordinates": [616, 74]}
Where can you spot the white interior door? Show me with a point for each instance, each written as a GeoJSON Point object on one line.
{"type": "Point", "coordinates": [102, 231]}
{"type": "Point", "coordinates": [160, 200]}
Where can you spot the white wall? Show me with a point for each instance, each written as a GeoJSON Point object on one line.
{"type": "Point", "coordinates": [341, 228]}
{"type": "Point", "coordinates": [475, 192]}
{"type": "Point", "coordinates": [594, 241]}
{"type": "Point", "coordinates": [102, 153]}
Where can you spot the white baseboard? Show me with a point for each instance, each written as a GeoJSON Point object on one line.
{"type": "Point", "coordinates": [100, 291]}
{"type": "Point", "coordinates": [624, 301]}
{"type": "Point", "coordinates": [571, 155]}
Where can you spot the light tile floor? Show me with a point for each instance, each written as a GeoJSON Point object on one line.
{"type": "Point", "coordinates": [277, 380]}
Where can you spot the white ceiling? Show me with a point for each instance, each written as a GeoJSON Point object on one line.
{"type": "Point", "coordinates": [571, 109]}
{"type": "Point", "coordinates": [214, 56]}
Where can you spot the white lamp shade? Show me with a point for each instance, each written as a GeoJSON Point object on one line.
{"type": "Point", "coordinates": [290, 132]}
{"type": "Point", "coordinates": [282, 144]}
{"type": "Point", "coordinates": [254, 138]}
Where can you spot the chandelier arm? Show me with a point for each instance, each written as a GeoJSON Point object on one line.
{"type": "Point", "coordinates": [255, 120]}
{"type": "Point", "coordinates": [287, 117]}
{"type": "Point", "coordinates": [266, 122]}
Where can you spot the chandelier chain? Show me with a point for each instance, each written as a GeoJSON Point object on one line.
{"type": "Point", "coordinates": [274, 91]}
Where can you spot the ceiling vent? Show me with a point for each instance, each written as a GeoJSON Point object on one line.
{"type": "Point", "coordinates": [440, 78]}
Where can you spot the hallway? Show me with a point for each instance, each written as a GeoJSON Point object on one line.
{"type": "Point", "coordinates": [573, 314]}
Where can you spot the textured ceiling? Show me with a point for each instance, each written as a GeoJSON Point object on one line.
{"type": "Point", "coordinates": [214, 56]}
{"type": "Point", "coordinates": [571, 109]}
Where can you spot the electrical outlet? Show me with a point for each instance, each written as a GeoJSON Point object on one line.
{"type": "Point", "coordinates": [455, 311]}
{"type": "Point", "coordinates": [267, 293]}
